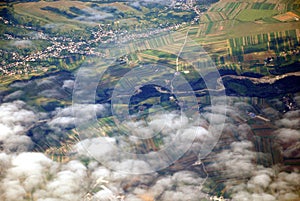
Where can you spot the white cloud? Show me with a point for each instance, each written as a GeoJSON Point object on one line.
{"type": "Point", "coordinates": [21, 43]}
{"type": "Point", "coordinates": [14, 122]}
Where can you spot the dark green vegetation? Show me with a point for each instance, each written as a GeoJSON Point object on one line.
{"type": "Point", "coordinates": [263, 6]}
{"type": "Point", "coordinates": [246, 87]}
{"type": "Point", "coordinates": [59, 12]}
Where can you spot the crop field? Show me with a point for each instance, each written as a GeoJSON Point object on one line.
{"type": "Point", "coordinates": [66, 12]}
{"type": "Point", "coordinates": [254, 14]}
{"type": "Point", "coordinates": [212, 17]}
{"type": "Point", "coordinates": [288, 16]}
{"type": "Point", "coordinates": [259, 56]}
{"type": "Point", "coordinates": [263, 6]}
{"type": "Point", "coordinates": [251, 11]}
{"type": "Point", "coordinates": [220, 18]}
{"type": "Point", "coordinates": [218, 47]}
{"type": "Point", "coordinates": [230, 10]}
{"type": "Point", "coordinates": [277, 41]}
{"type": "Point", "coordinates": [230, 28]}
{"type": "Point", "coordinates": [248, 32]}
{"type": "Point", "coordinates": [149, 56]}
{"type": "Point", "coordinates": [34, 9]}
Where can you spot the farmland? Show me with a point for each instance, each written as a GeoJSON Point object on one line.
{"type": "Point", "coordinates": [236, 34]}
{"type": "Point", "coordinates": [230, 31]}
{"type": "Point", "coordinates": [130, 61]}
{"type": "Point", "coordinates": [35, 10]}
{"type": "Point", "coordinates": [79, 14]}
{"type": "Point", "coordinates": [289, 16]}
{"type": "Point", "coordinates": [277, 41]}
{"type": "Point", "coordinates": [255, 14]}
{"type": "Point", "coordinates": [240, 34]}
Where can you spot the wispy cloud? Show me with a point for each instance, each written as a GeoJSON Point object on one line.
{"type": "Point", "coordinates": [94, 15]}
{"type": "Point", "coordinates": [21, 43]}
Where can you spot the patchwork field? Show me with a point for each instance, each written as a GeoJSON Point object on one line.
{"type": "Point", "coordinates": [239, 32]}
{"type": "Point", "coordinates": [289, 16]}
{"type": "Point", "coordinates": [231, 31]}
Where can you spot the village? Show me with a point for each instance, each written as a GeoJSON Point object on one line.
{"type": "Point", "coordinates": [65, 46]}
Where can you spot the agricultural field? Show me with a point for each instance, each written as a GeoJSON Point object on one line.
{"type": "Point", "coordinates": [229, 10]}
{"type": "Point", "coordinates": [253, 50]}
{"type": "Point", "coordinates": [77, 15]}
{"type": "Point", "coordinates": [255, 14]}
{"type": "Point", "coordinates": [289, 16]}
{"type": "Point", "coordinates": [76, 71]}
{"type": "Point", "coordinates": [36, 10]}
{"type": "Point", "coordinates": [232, 13]}
{"type": "Point", "coordinates": [277, 41]}
{"type": "Point", "coordinates": [248, 32]}
{"type": "Point", "coordinates": [229, 30]}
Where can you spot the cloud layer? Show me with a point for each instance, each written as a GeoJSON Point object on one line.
{"type": "Point", "coordinates": [27, 175]}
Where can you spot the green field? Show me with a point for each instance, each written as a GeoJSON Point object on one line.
{"type": "Point", "coordinates": [263, 6]}
{"type": "Point", "coordinates": [254, 14]}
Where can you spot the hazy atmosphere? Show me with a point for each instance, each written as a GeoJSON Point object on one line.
{"type": "Point", "coordinates": [150, 100]}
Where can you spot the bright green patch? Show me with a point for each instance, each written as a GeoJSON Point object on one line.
{"type": "Point", "coordinates": [253, 14]}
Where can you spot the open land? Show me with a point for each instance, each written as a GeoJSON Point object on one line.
{"type": "Point", "coordinates": [254, 45]}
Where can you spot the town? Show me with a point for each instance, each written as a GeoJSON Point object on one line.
{"type": "Point", "coordinates": [65, 46]}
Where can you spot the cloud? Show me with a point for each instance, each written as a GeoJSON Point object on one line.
{"type": "Point", "coordinates": [15, 119]}
{"type": "Point", "coordinates": [93, 15]}
{"type": "Point", "coordinates": [135, 4]}
{"type": "Point", "coordinates": [68, 117]}
{"type": "Point", "coordinates": [255, 182]}
{"type": "Point", "coordinates": [246, 180]}
{"type": "Point", "coordinates": [69, 84]}
{"type": "Point", "coordinates": [24, 174]}
{"type": "Point", "coordinates": [286, 135]}
{"type": "Point", "coordinates": [69, 183]}
{"type": "Point", "coordinates": [271, 113]}
{"type": "Point", "coordinates": [290, 120]}
{"type": "Point", "coordinates": [236, 162]}
{"type": "Point", "coordinates": [267, 184]}
{"type": "Point", "coordinates": [35, 175]}
{"type": "Point", "coordinates": [91, 148]}
{"type": "Point", "coordinates": [16, 143]}
{"type": "Point", "coordinates": [13, 96]}
{"type": "Point", "coordinates": [53, 25]}
{"type": "Point", "coordinates": [178, 134]}
{"type": "Point", "coordinates": [50, 87]}
{"type": "Point", "coordinates": [52, 93]}
{"type": "Point", "coordinates": [183, 185]}
{"type": "Point", "coordinates": [164, 2]}
{"type": "Point", "coordinates": [21, 43]}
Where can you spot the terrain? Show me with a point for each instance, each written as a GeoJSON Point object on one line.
{"type": "Point", "coordinates": [200, 98]}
